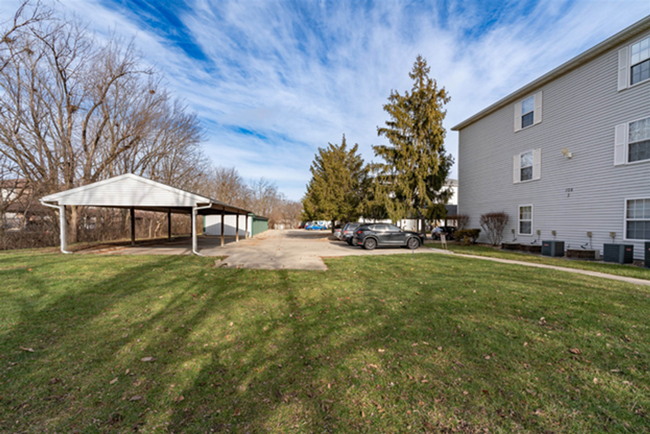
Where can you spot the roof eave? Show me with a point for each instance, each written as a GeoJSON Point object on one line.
{"type": "Point", "coordinates": [625, 34]}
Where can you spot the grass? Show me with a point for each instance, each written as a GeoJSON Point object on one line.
{"type": "Point", "coordinates": [382, 344]}
{"type": "Point", "coordinates": [495, 252]}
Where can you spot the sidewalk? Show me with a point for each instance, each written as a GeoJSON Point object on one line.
{"type": "Point", "coordinates": [631, 280]}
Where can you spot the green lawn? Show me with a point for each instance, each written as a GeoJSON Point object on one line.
{"type": "Point", "coordinates": [380, 344]}
{"type": "Point", "coordinates": [495, 252]}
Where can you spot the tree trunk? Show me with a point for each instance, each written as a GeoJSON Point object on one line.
{"type": "Point", "coordinates": [73, 225]}
{"type": "Point", "coordinates": [159, 224]}
{"type": "Point", "coordinates": [126, 224]}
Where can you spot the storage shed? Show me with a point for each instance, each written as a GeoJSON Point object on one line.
{"type": "Point", "coordinates": [248, 225]}
{"type": "Point", "coordinates": [260, 224]}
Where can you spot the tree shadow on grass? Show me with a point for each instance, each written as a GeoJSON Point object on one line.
{"type": "Point", "coordinates": [59, 307]}
{"type": "Point", "coordinates": [385, 344]}
{"type": "Point", "coordinates": [377, 366]}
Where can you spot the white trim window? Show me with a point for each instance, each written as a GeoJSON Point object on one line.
{"type": "Point", "coordinates": [525, 221]}
{"type": "Point", "coordinates": [527, 166]}
{"type": "Point", "coordinates": [637, 219]}
{"type": "Point", "coordinates": [528, 112]}
{"type": "Point", "coordinates": [634, 63]}
{"type": "Point", "coordinates": [526, 169]}
{"type": "Point", "coordinates": [632, 142]}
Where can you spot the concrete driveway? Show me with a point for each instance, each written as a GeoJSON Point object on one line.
{"type": "Point", "coordinates": [274, 249]}
{"type": "Point", "coordinates": [305, 250]}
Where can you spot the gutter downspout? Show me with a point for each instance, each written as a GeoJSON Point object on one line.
{"type": "Point", "coordinates": [62, 223]}
{"type": "Point", "coordinates": [194, 240]}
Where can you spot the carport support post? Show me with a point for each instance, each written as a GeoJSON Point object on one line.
{"type": "Point", "coordinates": [64, 229]}
{"type": "Point", "coordinates": [237, 228]}
{"type": "Point", "coordinates": [169, 225]}
{"type": "Point", "coordinates": [194, 243]}
{"type": "Point", "coordinates": [132, 226]}
{"type": "Point", "coordinates": [246, 230]}
{"type": "Point", "coordinates": [223, 222]}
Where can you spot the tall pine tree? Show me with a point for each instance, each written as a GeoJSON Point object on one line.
{"type": "Point", "coordinates": [415, 165]}
{"type": "Point", "coordinates": [339, 181]}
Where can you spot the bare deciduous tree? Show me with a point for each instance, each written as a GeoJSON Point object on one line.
{"type": "Point", "coordinates": [227, 185]}
{"type": "Point", "coordinates": [74, 112]}
{"type": "Point", "coordinates": [27, 14]}
{"type": "Point", "coordinates": [493, 224]}
{"type": "Point", "coordinates": [265, 198]}
{"type": "Point", "coordinates": [260, 196]}
{"type": "Point", "coordinates": [291, 212]}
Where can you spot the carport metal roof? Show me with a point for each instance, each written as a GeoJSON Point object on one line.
{"type": "Point", "coordinates": [135, 192]}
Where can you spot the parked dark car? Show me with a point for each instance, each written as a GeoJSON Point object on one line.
{"type": "Point", "coordinates": [447, 230]}
{"type": "Point", "coordinates": [347, 233]}
{"type": "Point", "coordinates": [381, 234]}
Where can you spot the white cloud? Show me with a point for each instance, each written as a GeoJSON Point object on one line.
{"type": "Point", "coordinates": [302, 77]}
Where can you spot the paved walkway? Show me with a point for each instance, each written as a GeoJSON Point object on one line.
{"type": "Point", "coordinates": [632, 280]}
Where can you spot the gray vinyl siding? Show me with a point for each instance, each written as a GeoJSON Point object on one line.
{"type": "Point", "coordinates": [580, 111]}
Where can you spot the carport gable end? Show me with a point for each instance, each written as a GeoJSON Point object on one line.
{"type": "Point", "coordinates": [136, 192]}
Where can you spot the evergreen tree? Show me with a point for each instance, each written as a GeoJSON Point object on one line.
{"type": "Point", "coordinates": [338, 183]}
{"type": "Point", "coordinates": [415, 165]}
{"type": "Point", "coordinates": [375, 204]}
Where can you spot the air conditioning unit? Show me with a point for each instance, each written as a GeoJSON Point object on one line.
{"type": "Point", "coordinates": [647, 254]}
{"type": "Point", "coordinates": [553, 248]}
{"type": "Point", "coordinates": [619, 253]}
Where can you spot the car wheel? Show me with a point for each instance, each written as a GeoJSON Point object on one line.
{"type": "Point", "coordinates": [413, 243]}
{"type": "Point", "coordinates": [349, 241]}
{"type": "Point", "coordinates": [369, 244]}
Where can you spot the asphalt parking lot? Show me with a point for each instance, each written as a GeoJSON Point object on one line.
{"type": "Point", "coordinates": [295, 249]}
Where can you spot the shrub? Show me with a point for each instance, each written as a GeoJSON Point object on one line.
{"type": "Point", "coordinates": [467, 236]}
{"type": "Point", "coordinates": [493, 223]}
{"type": "Point", "coordinates": [460, 219]}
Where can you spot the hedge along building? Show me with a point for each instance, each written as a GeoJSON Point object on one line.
{"type": "Point", "coordinates": [569, 152]}
{"type": "Point", "coordinates": [134, 192]}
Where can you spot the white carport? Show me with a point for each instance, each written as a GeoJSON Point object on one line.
{"type": "Point", "coordinates": [133, 192]}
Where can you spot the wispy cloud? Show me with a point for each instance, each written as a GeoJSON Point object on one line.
{"type": "Point", "coordinates": [274, 80]}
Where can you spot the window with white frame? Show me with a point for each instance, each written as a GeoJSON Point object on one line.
{"type": "Point", "coordinates": [640, 61]}
{"type": "Point", "coordinates": [526, 170]}
{"type": "Point", "coordinates": [525, 220]}
{"type": "Point", "coordinates": [527, 166]}
{"type": "Point", "coordinates": [637, 219]}
{"type": "Point", "coordinates": [632, 142]}
{"type": "Point", "coordinates": [528, 111]}
{"type": "Point", "coordinates": [639, 141]}
{"type": "Point", "coordinates": [634, 63]}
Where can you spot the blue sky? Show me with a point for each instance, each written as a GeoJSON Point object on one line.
{"type": "Point", "coordinates": [274, 80]}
